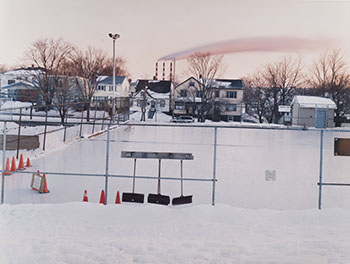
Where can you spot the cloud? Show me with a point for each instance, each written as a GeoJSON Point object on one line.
{"type": "Point", "coordinates": [256, 44]}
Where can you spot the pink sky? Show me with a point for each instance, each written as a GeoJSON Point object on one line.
{"type": "Point", "coordinates": [151, 29]}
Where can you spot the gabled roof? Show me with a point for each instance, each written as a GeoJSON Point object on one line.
{"type": "Point", "coordinates": [109, 80]}
{"type": "Point", "coordinates": [190, 78]}
{"type": "Point", "coordinates": [158, 86]}
{"type": "Point", "coordinates": [313, 102]}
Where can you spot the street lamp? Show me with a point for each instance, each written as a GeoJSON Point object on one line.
{"type": "Point", "coordinates": [114, 37]}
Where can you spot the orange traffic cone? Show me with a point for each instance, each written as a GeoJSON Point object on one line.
{"type": "Point", "coordinates": [28, 163]}
{"type": "Point", "coordinates": [85, 198]}
{"type": "Point", "coordinates": [13, 164]}
{"type": "Point", "coordinates": [117, 199]}
{"type": "Point", "coordinates": [45, 184]}
{"type": "Point", "coordinates": [102, 198]}
{"type": "Point", "coordinates": [7, 168]}
{"type": "Point", "coordinates": [20, 164]}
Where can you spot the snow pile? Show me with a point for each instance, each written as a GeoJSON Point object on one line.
{"type": "Point", "coordinates": [93, 233]}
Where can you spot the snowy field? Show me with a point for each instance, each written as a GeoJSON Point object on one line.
{"type": "Point", "coordinates": [83, 233]}
{"type": "Point", "coordinates": [254, 220]}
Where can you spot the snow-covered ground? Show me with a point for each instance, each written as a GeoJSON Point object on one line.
{"type": "Point", "coordinates": [92, 233]}
{"type": "Point", "coordinates": [254, 220]}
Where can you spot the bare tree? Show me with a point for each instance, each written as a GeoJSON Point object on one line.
{"type": "Point", "coordinates": [49, 55]}
{"type": "Point", "coordinates": [66, 93]}
{"type": "Point", "coordinates": [90, 64]}
{"type": "Point", "coordinates": [256, 96]}
{"type": "Point", "coordinates": [281, 79]}
{"type": "Point", "coordinates": [206, 67]}
{"type": "Point", "coordinates": [273, 85]}
{"type": "Point", "coordinates": [330, 75]}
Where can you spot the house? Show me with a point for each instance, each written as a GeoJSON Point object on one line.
{"type": "Point", "coordinates": [19, 75]}
{"type": "Point", "coordinates": [104, 89]}
{"type": "Point", "coordinates": [157, 94]}
{"type": "Point", "coordinates": [21, 91]}
{"type": "Point", "coordinates": [313, 111]}
{"type": "Point", "coordinates": [227, 95]}
{"type": "Point", "coordinates": [28, 85]}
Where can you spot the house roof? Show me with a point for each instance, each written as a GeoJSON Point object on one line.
{"type": "Point", "coordinates": [313, 102]}
{"type": "Point", "coordinates": [221, 83]}
{"type": "Point", "coordinates": [229, 83]}
{"type": "Point", "coordinates": [24, 71]}
{"type": "Point", "coordinates": [190, 78]}
{"type": "Point", "coordinates": [158, 86]}
{"type": "Point", "coordinates": [13, 85]}
{"type": "Point", "coordinates": [109, 80]}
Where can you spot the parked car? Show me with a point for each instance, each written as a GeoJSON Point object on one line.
{"type": "Point", "coordinates": [182, 119]}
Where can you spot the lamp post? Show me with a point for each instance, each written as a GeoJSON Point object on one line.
{"type": "Point", "coordinates": [114, 37]}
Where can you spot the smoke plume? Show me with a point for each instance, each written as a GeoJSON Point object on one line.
{"type": "Point", "coordinates": [256, 44]}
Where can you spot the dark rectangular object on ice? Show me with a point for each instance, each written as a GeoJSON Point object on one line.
{"type": "Point", "coordinates": [182, 200]}
{"type": "Point", "coordinates": [158, 199]}
{"type": "Point", "coordinates": [133, 197]}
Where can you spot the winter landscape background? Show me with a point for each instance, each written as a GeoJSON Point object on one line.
{"type": "Point", "coordinates": [253, 221]}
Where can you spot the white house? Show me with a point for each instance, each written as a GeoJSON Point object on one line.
{"type": "Point", "coordinates": [313, 111]}
{"type": "Point", "coordinates": [227, 97]}
{"type": "Point", "coordinates": [104, 89]}
{"type": "Point", "coordinates": [157, 94]}
{"type": "Point", "coordinates": [24, 75]}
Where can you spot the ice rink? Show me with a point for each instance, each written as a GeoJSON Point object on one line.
{"type": "Point", "coordinates": [243, 157]}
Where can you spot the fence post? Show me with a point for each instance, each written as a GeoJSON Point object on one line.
{"type": "Point", "coordinates": [3, 162]}
{"type": "Point", "coordinates": [93, 126]}
{"type": "Point", "coordinates": [214, 167]}
{"type": "Point", "coordinates": [321, 165]}
{"type": "Point", "coordinates": [81, 121]}
{"type": "Point", "coordinates": [45, 129]}
{"type": "Point", "coordinates": [19, 132]}
{"type": "Point", "coordinates": [103, 117]}
{"type": "Point", "coordinates": [107, 165]}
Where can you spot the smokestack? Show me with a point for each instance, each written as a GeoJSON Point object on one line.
{"type": "Point", "coordinates": [156, 76]}
{"type": "Point", "coordinates": [171, 71]}
{"type": "Point", "coordinates": [163, 71]}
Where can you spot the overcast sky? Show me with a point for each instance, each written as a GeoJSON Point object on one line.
{"type": "Point", "coordinates": [151, 29]}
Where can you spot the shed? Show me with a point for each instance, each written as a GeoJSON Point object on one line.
{"type": "Point", "coordinates": [313, 111]}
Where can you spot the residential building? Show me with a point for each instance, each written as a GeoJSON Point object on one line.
{"type": "Point", "coordinates": [25, 75]}
{"type": "Point", "coordinates": [157, 94]}
{"type": "Point", "coordinates": [226, 94]}
{"type": "Point", "coordinates": [104, 89]}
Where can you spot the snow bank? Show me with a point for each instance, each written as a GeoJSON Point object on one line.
{"type": "Point", "coordinates": [93, 233]}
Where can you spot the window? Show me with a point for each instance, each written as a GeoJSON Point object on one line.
{"type": "Point", "coordinates": [231, 94]}
{"type": "Point", "coordinates": [191, 84]}
{"type": "Point", "coordinates": [217, 94]}
{"type": "Point", "coordinates": [183, 93]}
{"type": "Point", "coordinates": [11, 81]}
{"type": "Point", "coordinates": [111, 88]}
{"type": "Point", "coordinates": [199, 94]}
{"type": "Point", "coordinates": [180, 106]}
{"type": "Point", "coordinates": [231, 107]}
{"type": "Point", "coordinates": [162, 103]}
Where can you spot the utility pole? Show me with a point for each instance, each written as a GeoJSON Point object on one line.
{"type": "Point", "coordinates": [114, 37]}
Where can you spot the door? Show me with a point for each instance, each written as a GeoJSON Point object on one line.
{"type": "Point", "coordinates": [321, 118]}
